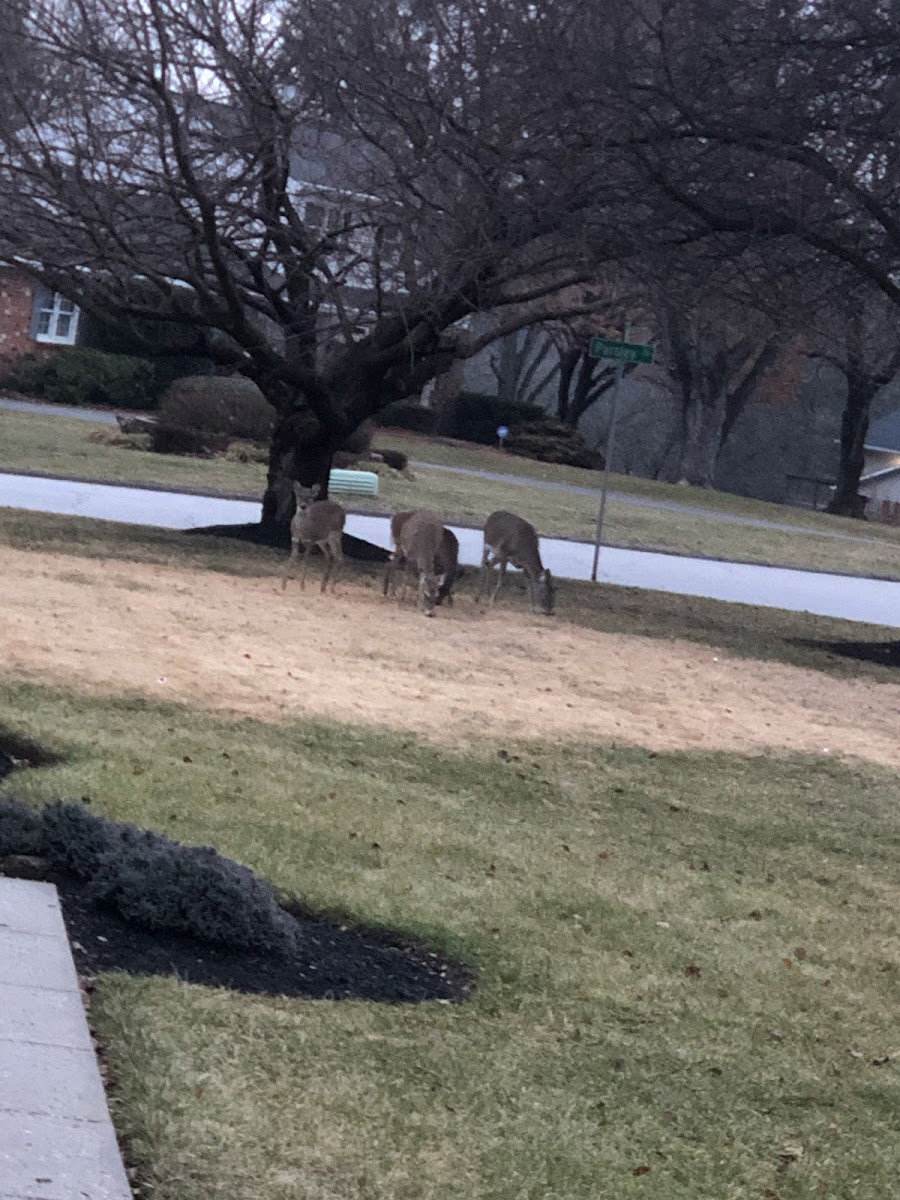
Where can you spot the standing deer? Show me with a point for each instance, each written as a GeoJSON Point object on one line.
{"type": "Point", "coordinates": [511, 539]}
{"type": "Point", "coordinates": [315, 523]}
{"type": "Point", "coordinates": [448, 558]}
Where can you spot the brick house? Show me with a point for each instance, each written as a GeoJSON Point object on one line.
{"type": "Point", "coordinates": [31, 316]}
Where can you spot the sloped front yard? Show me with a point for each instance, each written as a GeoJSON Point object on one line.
{"type": "Point", "coordinates": [686, 959]}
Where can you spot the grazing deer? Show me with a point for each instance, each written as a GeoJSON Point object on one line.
{"type": "Point", "coordinates": [448, 565]}
{"type": "Point", "coordinates": [423, 545]}
{"type": "Point", "coordinates": [511, 539]}
{"type": "Point", "coordinates": [315, 523]}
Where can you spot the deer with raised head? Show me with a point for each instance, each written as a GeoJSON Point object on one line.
{"type": "Point", "coordinates": [511, 539]}
{"type": "Point", "coordinates": [447, 560]}
{"type": "Point", "coordinates": [315, 523]}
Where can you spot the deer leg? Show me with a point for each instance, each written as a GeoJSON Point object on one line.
{"type": "Point", "coordinates": [307, 551]}
{"type": "Point", "coordinates": [329, 562]}
{"type": "Point", "coordinates": [289, 566]}
{"type": "Point", "coordinates": [501, 575]}
{"type": "Point", "coordinates": [390, 571]}
{"type": "Point", "coordinates": [405, 582]}
{"type": "Point", "coordinates": [337, 556]}
{"type": "Point", "coordinates": [486, 567]}
{"type": "Point", "coordinates": [401, 563]}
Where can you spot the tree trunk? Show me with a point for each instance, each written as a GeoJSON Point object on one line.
{"type": "Point", "coordinates": [301, 451]}
{"type": "Point", "coordinates": [444, 394]}
{"type": "Point", "coordinates": [568, 361]}
{"type": "Point", "coordinates": [582, 398]}
{"type": "Point", "coordinates": [701, 448]}
{"type": "Point", "coordinates": [508, 368]}
{"type": "Point", "coordinates": [846, 501]}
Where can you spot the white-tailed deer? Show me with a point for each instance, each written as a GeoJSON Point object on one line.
{"type": "Point", "coordinates": [423, 546]}
{"type": "Point", "coordinates": [447, 560]}
{"type": "Point", "coordinates": [315, 523]}
{"type": "Point", "coordinates": [511, 539]}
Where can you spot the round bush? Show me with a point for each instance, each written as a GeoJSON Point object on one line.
{"type": "Point", "coordinates": [230, 405]}
{"type": "Point", "coordinates": [77, 840]}
{"type": "Point", "coordinates": [21, 829]}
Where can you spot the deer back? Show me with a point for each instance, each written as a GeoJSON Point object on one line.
{"type": "Point", "coordinates": [515, 539]}
{"type": "Point", "coordinates": [398, 520]}
{"type": "Point", "coordinates": [316, 520]}
{"type": "Point", "coordinates": [421, 537]}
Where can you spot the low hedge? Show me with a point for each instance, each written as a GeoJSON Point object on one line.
{"type": "Point", "coordinates": [552, 442]}
{"type": "Point", "coordinates": [150, 879]}
{"type": "Point", "coordinates": [476, 417]}
{"type": "Point", "coordinates": [404, 415]}
{"type": "Point", "coordinates": [77, 375]}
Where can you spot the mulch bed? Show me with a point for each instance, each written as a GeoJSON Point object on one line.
{"type": "Point", "coordinates": [334, 961]}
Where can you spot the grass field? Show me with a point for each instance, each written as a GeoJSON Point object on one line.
{"type": "Point", "coordinates": [686, 961]}
{"type": "Point", "coordinates": [60, 446]}
{"type": "Point", "coordinates": [799, 639]}
{"type": "Point", "coordinates": [687, 966]}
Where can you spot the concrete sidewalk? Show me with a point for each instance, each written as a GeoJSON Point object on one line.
{"type": "Point", "coordinates": [56, 1138]}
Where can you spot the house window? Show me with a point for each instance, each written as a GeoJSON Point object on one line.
{"type": "Point", "coordinates": [55, 318]}
{"type": "Point", "coordinates": [321, 220]}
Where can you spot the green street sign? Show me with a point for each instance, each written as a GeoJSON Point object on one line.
{"type": "Point", "coordinates": [634, 352]}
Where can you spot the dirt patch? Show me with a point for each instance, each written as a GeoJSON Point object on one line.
{"type": "Point", "coordinates": [244, 646]}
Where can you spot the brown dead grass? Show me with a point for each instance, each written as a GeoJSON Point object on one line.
{"type": "Point", "coordinates": [242, 645]}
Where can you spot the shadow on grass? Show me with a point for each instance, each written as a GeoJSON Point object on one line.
{"type": "Point", "coordinates": [17, 751]}
{"type": "Point", "coordinates": [332, 961]}
{"type": "Point", "coordinates": [884, 654]}
{"type": "Point", "coordinates": [279, 538]}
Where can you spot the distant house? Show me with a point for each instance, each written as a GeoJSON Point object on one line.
{"type": "Point", "coordinates": [327, 173]}
{"type": "Point", "coordinates": [32, 316]}
{"type": "Point", "coordinates": [880, 480]}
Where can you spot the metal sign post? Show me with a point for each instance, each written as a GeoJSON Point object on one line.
{"type": "Point", "coordinates": [622, 352]}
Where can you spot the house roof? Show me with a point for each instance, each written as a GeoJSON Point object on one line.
{"type": "Point", "coordinates": [884, 434]}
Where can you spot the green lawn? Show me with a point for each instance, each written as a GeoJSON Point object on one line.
{"type": "Point", "coordinates": [60, 446]}
{"type": "Point", "coordinates": [687, 966]}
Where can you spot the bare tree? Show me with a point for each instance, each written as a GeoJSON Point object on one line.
{"type": "Point", "coordinates": [178, 184]}
{"type": "Point", "coordinates": [775, 124]}
{"type": "Point", "coordinates": [859, 335]}
{"type": "Point", "coordinates": [525, 366]}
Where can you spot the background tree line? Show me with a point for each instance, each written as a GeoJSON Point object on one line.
{"type": "Point", "coordinates": [723, 176]}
